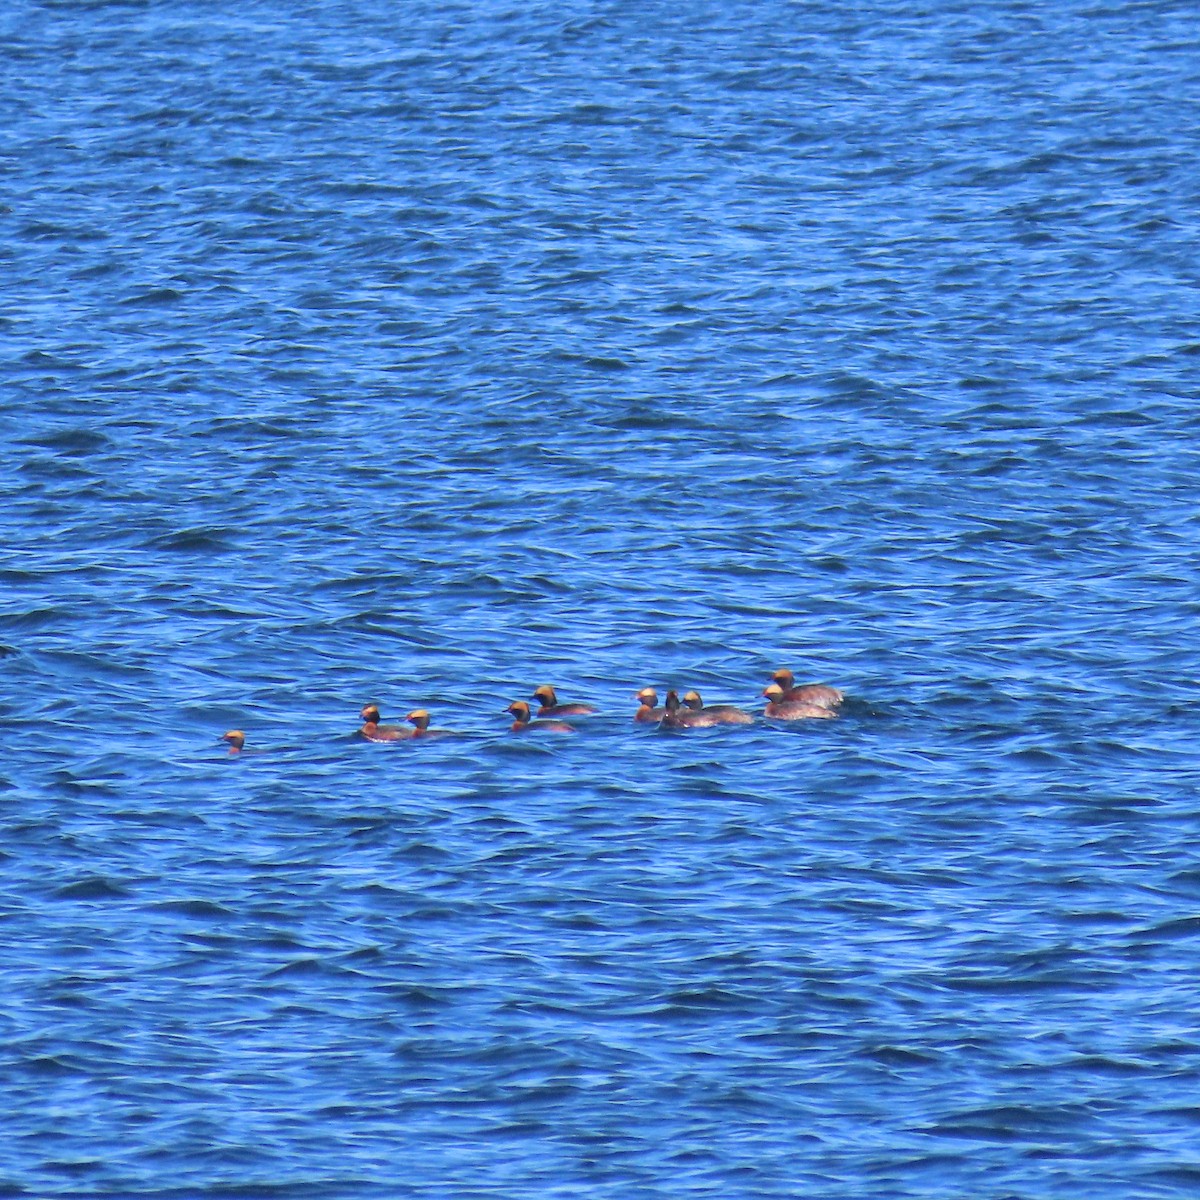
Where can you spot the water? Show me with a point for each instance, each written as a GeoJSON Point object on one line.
{"type": "Point", "coordinates": [426, 355]}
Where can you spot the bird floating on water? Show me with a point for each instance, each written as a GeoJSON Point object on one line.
{"type": "Point", "coordinates": [649, 712]}
{"type": "Point", "coordinates": [522, 722]}
{"type": "Point", "coordinates": [551, 707]}
{"type": "Point", "coordinates": [781, 709]}
{"type": "Point", "coordinates": [419, 718]}
{"type": "Point", "coordinates": [373, 731]}
{"type": "Point", "coordinates": [820, 694]}
{"type": "Point", "coordinates": [705, 715]}
{"type": "Point", "coordinates": [786, 701]}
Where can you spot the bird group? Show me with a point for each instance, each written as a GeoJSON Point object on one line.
{"type": "Point", "coordinates": [786, 701]}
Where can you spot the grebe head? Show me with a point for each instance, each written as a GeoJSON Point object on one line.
{"type": "Point", "coordinates": [692, 700]}
{"type": "Point", "coordinates": [235, 737]}
{"type": "Point", "coordinates": [519, 709]}
{"type": "Point", "coordinates": [370, 714]}
{"type": "Point", "coordinates": [647, 696]}
{"type": "Point", "coordinates": [773, 693]}
{"type": "Point", "coordinates": [419, 717]}
{"type": "Point", "coordinates": [546, 695]}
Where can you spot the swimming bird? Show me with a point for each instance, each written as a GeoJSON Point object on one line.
{"type": "Point", "coordinates": [419, 717]}
{"type": "Point", "coordinates": [647, 712]}
{"type": "Point", "coordinates": [522, 722]}
{"type": "Point", "coordinates": [806, 693]}
{"type": "Point", "coordinates": [675, 717]}
{"type": "Point", "coordinates": [779, 708]}
{"type": "Point", "coordinates": [714, 714]}
{"type": "Point", "coordinates": [373, 731]}
{"type": "Point", "coordinates": [236, 739]}
{"type": "Point", "coordinates": [552, 708]}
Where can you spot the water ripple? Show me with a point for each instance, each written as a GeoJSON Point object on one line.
{"type": "Point", "coordinates": [425, 362]}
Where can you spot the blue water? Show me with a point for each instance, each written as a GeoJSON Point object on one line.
{"type": "Point", "coordinates": [426, 353]}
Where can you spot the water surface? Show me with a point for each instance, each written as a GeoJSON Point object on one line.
{"type": "Point", "coordinates": [427, 355]}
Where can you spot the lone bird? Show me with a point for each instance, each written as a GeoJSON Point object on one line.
{"type": "Point", "coordinates": [236, 739]}
{"type": "Point", "coordinates": [552, 708]}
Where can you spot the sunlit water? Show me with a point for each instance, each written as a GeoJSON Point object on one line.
{"type": "Point", "coordinates": [428, 353]}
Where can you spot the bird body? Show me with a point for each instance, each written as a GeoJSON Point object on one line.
{"type": "Point", "coordinates": [648, 712]}
{"type": "Point", "coordinates": [523, 723]}
{"type": "Point", "coordinates": [820, 694]}
{"type": "Point", "coordinates": [374, 731]}
{"type": "Point", "coordinates": [675, 716]}
{"type": "Point", "coordinates": [704, 715]}
{"type": "Point", "coordinates": [781, 709]}
{"type": "Point", "coordinates": [551, 707]}
{"type": "Point", "coordinates": [419, 719]}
